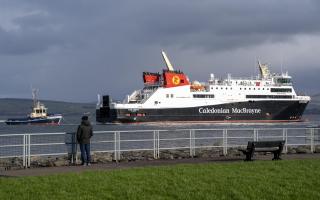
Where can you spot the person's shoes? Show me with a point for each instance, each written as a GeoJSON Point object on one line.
{"type": "Point", "coordinates": [84, 164]}
{"type": "Point", "coordinates": [88, 164]}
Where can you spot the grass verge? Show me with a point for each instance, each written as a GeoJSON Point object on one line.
{"type": "Point", "coordinates": [291, 179]}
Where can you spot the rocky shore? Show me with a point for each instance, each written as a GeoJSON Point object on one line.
{"type": "Point", "coordinates": [107, 157]}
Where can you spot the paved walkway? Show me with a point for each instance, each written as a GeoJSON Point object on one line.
{"type": "Point", "coordinates": [124, 165]}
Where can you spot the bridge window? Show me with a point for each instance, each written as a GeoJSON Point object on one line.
{"type": "Point", "coordinates": [203, 96]}
{"type": "Point", "coordinates": [281, 90]}
{"type": "Point", "coordinates": [283, 80]}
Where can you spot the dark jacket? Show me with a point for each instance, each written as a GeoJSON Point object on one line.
{"type": "Point", "coordinates": [84, 132]}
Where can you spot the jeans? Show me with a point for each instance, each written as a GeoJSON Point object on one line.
{"type": "Point", "coordinates": [85, 153]}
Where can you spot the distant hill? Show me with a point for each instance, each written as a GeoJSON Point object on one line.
{"type": "Point", "coordinates": [22, 107]}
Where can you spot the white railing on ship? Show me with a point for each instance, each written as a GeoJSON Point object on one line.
{"type": "Point", "coordinates": [30, 145]}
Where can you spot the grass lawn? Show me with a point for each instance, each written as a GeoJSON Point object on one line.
{"type": "Point", "coordinates": [287, 179]}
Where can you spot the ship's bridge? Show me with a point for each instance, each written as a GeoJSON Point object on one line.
{"type": "Point", "coordinates": [283, 79]}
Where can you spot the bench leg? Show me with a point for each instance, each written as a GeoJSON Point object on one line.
{"type": "Point", "coordinates": [248, 156]}
{"type": "Point", "coordinates": [276, 156]}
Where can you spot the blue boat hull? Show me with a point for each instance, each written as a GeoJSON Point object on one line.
{"type": "Point", "coordinates": [50, 120]}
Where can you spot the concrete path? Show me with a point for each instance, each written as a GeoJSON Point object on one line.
{"type": "Point", "coordinates": [124, 165]}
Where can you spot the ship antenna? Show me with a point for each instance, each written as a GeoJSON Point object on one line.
{"type": "Point", "coordinates": [254, 66]}
{"type": "Point", "coordinates": [281, 64]}
{"type": "Point", "coordinates": [167, 61]}
{"type": "Point", "coordinates": [35, 96]}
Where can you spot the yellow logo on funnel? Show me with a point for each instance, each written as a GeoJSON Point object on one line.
{"type": "Point", "coordinates": [175, 80]}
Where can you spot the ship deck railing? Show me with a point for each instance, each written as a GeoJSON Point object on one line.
{"type": "Point", "coordinates": [28, 147]}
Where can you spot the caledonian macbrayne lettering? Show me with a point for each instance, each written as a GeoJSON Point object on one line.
{"type": "Point", "coordinates": [228, 110]}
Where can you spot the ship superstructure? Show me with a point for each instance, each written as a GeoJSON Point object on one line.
{"type": "Point", "coordinates": [170, 96]}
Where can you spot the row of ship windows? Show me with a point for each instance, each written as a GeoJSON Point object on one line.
{"type": "Point", "coordinates": [272, 89]}
{"type": "Point", "coordinates": [248, 96]}
{"type": "Point", "coordinates": [268, 96]}
{"type": "Point", "coordinates": [40, 111]}
{"type": "Point", "coordinates": [203, 96]}
{"type": "Point", "coordinates": [217, 88]}
{"type": "Point", "coordinates": [240, 88]}
{"type": "Point", "coordinates": [169, 95]}
{"type": "Point", "coordinates": [194, 96]}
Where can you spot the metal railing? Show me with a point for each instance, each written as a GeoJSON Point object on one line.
{"type": "Point", "coordinates": [28, 145]}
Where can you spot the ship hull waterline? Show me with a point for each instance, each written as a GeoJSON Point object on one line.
{"type": "Point", "coordinates": [36, 121]}
{"type": "Point", "coordinates": [250, 111]}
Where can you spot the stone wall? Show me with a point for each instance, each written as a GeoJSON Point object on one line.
{"type": "Point", "coordinates": [107, 157]}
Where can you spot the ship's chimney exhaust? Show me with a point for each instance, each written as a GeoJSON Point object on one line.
{"type": "Point", "coordinates": [167, 61]}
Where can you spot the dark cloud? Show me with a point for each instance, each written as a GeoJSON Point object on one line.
{"type": "Point", "coordinates": [74, 49]}
{"type": "Point", "coordinates": [224, 25]}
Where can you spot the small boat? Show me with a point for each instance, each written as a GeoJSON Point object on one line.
{"type": "Point", "coordinates": [38, 115]}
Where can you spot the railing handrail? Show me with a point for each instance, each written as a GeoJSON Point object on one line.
{"type": "Point", "coordinates": [164, 130]}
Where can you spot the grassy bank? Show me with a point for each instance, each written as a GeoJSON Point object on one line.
{"type": "Point", "coordinates": [293, 179]}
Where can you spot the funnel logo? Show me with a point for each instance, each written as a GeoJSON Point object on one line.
{"type": "Point", "coordinates": [175, 80]}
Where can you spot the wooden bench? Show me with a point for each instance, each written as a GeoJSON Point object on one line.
{"type": "Point", "coordinates": [274, 147]}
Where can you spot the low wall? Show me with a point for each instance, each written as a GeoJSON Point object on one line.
{"type": "Point", "coordinates": [107, 157]}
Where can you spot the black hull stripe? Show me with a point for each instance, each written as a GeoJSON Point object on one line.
{"type": "Point", "coordinates": [253, 111]}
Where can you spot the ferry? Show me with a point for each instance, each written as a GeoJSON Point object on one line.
{"type": "Point", "coordinates": [38, 115]}
{"type": "Point", "coordinates": [171, 96]}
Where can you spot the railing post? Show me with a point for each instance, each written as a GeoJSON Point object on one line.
{"type": "Point", "coordinates": [155, 144]}
{"type": "Point", "coordinates": [192, 143]}
{"type": "Point", "coordinates": [24, 151]}
{"type": "Point", "coordinates": [312, 140]}
{"type": "Point", "coordinates": [119, 147]}
{"type": "Point", "coordinates": [158, 153]}
{"type": "Point", "coordinates": [73, 148]}
{"type": "Point", "coordinates": [115, 155]}
{"type": "Point", "coordinates": [29, 151]}
{"type": "Point", "coordinates": [254, 134]}
{"type": "Point", "coordinates": [285, 138]}
{"type": "Point", "coordinates": [225, 142]}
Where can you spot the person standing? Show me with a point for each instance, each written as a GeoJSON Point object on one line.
{"type": "Point", "coordinates": [84, 134]}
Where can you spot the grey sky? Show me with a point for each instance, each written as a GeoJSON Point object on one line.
{"type": "Point", "coordinates": [73, 49]}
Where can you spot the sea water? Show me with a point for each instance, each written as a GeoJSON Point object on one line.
{"type": "Point", "coordinates": [70, 124]}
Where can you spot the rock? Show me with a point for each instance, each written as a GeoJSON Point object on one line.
{"type": "Point", "coordinates": [102, 157]}
{"type": "Point", "coordinates": [317, 149]}
{"type": "Point", "coordinates": [303, 149]}
{"type": "Point", "coordinates": [49, 163]}
{"type": "Point", "coordinates": [234, 152]}
{"type": "Point", "coordinates": [291, 150]}
{"type": "Point", "coordinates": [59, 163]}
{"type": "Point", "coordinates": [16, 162]}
